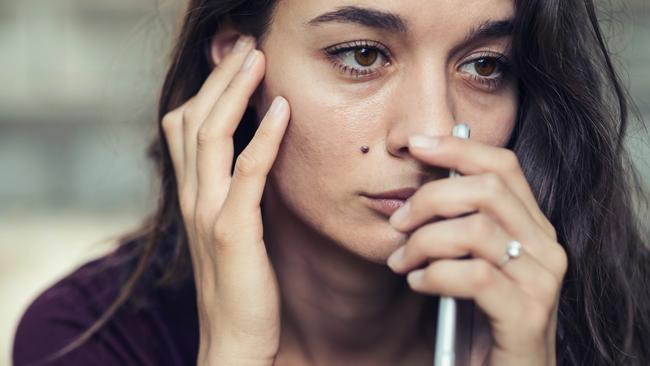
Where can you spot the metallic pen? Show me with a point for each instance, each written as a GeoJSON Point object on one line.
{"type": "Point", "coordinates": [446, 330]}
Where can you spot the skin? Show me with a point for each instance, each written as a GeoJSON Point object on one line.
{"type": "Point", "coordinates": [317, 252]}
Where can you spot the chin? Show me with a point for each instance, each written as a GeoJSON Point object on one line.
{"type": "Point", "coordinates": [376, 243]}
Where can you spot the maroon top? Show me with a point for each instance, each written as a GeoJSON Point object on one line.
{"type": "Point", "coordinates": [161, 330]}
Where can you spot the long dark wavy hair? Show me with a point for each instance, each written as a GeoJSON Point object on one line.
{"type": "Point", "coordinates": [569, 137]}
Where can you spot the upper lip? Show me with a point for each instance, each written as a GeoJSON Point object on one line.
{"type": "Point", "coordinates": [400, 194]}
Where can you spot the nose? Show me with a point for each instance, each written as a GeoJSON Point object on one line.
{"type": "Point", "coordinates": [422, 104]}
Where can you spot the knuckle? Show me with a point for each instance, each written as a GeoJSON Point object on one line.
{"type": "Point", "coordinates": [189, 115]}
{"type": "Point", "coordinates": [187, 205]}
{"type": "Point", "coordinates": [548, 287]}
{"type": "Point", "coordinates": [560, 259]}
{"type": "Point", "coordinates": [169, 122]}
{"type": "Point", "coordinates": [482, 226]}
{"type": "Point", "coordinates": [415, 245]}
{"type": "Point", "coordinates": [203, 224]}
{"type": "Point", "coordinates": [247, 164]}
{"type": "Point", "coordinates": [264, 134]}
{"type": "Point", "coordinates": [510, 160]}
{"type": "Point", "coordinates": [550, 229]}
{"type": "Point", "coordinates": [492, 183]}
{"type": "Point", "coordinates": [483, 275]}
{"type": "Point", "coordinates": [220, 231]}
{"type": "Point", "coordinates": [224, 233]}
{"type": "Point", "coordinates": [204, 136]}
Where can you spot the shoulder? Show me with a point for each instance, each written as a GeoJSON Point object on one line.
{"type": "Point", "coordinates": [68, 308]}
{"type": "Point", "coordinates": [154, 327]}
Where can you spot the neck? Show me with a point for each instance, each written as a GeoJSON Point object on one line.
{"type": "Point", "coordinates": [339, 308]}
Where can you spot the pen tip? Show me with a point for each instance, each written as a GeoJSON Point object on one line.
{"type": "Point", "coordinates": [461, 130]}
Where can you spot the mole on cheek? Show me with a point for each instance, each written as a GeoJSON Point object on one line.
{"type": "Point", "coordinates": [365, 149]}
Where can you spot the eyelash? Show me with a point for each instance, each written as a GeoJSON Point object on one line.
{"type": "Point", "coordinates": [335, 52]}
{"type": "Point", "coordinates": [504, 66]}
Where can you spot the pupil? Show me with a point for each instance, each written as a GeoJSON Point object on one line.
{"type": "Point", "coordinates": [485, 67]}
{"type": "Point", "coordinates": [365, 56]}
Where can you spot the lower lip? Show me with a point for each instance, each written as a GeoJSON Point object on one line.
{"type": "Point", "coordinates": [385, 205]}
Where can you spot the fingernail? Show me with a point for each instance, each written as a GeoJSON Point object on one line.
{"type": "Point", "coordinates": [396, 257]}
{"type": "Point", "coordinates": [241, 44]}
{"type": "Point", "coordinates": [415, 278]}
{"type": "Point", "coordinates": [424, 142]}
{"type": "Point", "coordinates": [278, 105]}
{"type": "Point", "coordinates": [250, 60]}
{"type": "Point", "coordinates": [399, 216]}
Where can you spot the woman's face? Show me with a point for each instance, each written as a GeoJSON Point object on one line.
{"type": "Point", "coordinates": [374, 73]}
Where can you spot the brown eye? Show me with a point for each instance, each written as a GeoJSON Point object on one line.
{"type": "Point", "coordinates": [361, 59]}
{"type": "Point", "coordinates": [365, 56]}
{"type": "Point", "coordinates": [486, 73]}
{"type": "Point", "coordinates": [485, 67]}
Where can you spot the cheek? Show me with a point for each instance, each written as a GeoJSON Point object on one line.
{"type": "Point", "coordinates": [322, 143]}
{"type": "Point", "coordinates": [492, 117]}
{"type": "Point", "coordinates": [327, 127]}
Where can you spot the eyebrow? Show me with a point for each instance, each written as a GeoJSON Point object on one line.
{"type": "Point", "coordinates": [364, 16]}
{"type": "Point", "coordinates": [489, 29]}
{"type": "Point", "coordinates": [392, 22]}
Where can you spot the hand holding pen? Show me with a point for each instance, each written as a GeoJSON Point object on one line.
{"type": "Point", "coordinates": [516, 265]}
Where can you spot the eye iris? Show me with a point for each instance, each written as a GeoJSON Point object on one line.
{"type": "Point", "coordinates": [365, 56]}
{"type": "Point", "coordinates": [485, 67]}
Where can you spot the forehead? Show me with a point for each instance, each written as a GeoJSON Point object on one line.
{"type": "Point", "coordinates": [420, 16]}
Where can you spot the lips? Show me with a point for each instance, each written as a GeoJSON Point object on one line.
{"type": "Point", "coordinates": [396, 194]}
{"type": "Point", "coordinates": [389, 201]}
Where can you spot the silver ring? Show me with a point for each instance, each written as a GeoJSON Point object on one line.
{"type": "Point", "coordinates": [513, 251]}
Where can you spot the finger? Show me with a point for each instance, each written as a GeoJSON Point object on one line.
{"type": "Point", "coordinates": [488, 194]}
{"type": "Point", "coordinates": [471, 157]}
{"type": "Point", "coordinates": [242, 204]}
{"type": "Point", "coordinates": [215, 136]}
{"type": "Point", "coordinates": [172, 126]}
{"type": "Point", "coordinates": [205, 99]}
{"type": "Point", "coordinates": [467, 194]}
{"type": "Point", "coordinates": [517, 320]}
{"type": "Point", "coordinates": [480, 236]}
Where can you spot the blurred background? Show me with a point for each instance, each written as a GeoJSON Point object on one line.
{"type": "Point", "coordinates": [80, 81]}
